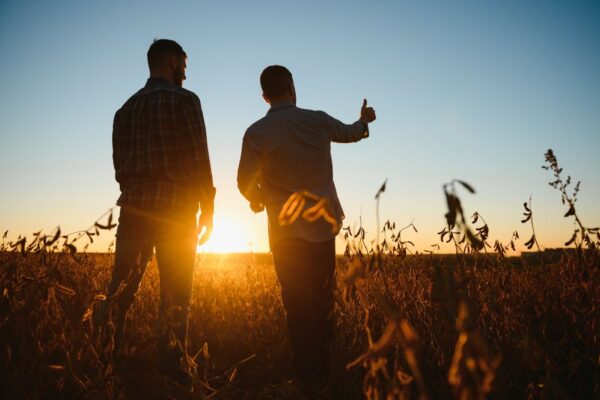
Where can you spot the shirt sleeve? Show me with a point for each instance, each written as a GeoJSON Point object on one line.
{"type": "Point", "coordinates": [249, 171]}
{"type": "Point", "coordinates": [120, 143]}
{"type": "Point", "coordinates": [195, 132]}
{"type": "Point", "coordinates": [344, 133]}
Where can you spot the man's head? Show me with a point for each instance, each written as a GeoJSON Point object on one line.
{"type": "Point", "coordinates": [166, 59]}
{"type": "Point", "coordinates": [277, 84]}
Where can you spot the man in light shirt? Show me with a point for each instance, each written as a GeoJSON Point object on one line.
{"type": "Point", "coordinates": [289, 151]}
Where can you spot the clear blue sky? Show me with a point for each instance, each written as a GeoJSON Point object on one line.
{"type": "Point", "coordinates": [469, 90]}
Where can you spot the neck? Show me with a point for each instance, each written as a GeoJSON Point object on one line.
{"type": "Point", "coordinates": [282, 99]}
{"type": "Point", "coordinates": [162, 74]}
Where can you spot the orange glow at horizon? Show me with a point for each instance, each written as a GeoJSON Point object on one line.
{"type": "Point", "coordinates": [228, 236]}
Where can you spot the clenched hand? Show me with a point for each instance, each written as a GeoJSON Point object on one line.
{"type": "Point", "coordinates": [367, 114]}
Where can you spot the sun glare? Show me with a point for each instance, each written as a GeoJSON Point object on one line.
{"type": "Point", "coordinates": [228, 236]}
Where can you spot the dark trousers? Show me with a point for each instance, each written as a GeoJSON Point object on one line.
{"type": "Point", "coordinates": [174, 236]}
{"type": "Point", "coordinates": [306, 273]}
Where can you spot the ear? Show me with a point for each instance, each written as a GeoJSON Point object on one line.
{"type": "Point", "coordinates": [173, 62]}
{"type": "Point", "coordinates": [266, 98]}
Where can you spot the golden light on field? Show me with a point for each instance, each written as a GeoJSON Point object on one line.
{"type": "Point", "coordinates": [228, 236]}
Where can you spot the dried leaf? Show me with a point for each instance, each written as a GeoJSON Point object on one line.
{"type": "Point", "coordinates": [452, 202]}
{"type": "Point", "coordinates": [71, 248]}
{"type": "Point", "coordinates": [570, 212]}
{"type": "Point", "coordinates": [466, 186]}
{"type": "Point", "coordinates": [87, 314]}
{"type": "Point", "coordinates": [568, 242]}
{"type": "Point", "coordinates": [529, 244]}
{"type": "Point", "coordinates": [291, 209]}
{"type": "Point", "coordinates": [65, 290]}
{"type": "Point", "coordinates": [381, 190]}
{"type": "Point", "coordinates": [475, 243]}
{"type": "Point", "coordinates": [233, 375]}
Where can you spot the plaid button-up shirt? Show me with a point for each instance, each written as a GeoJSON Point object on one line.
{"type": "Point", "coordinates": [160, 153]}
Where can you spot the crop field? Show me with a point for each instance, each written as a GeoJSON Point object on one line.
{"type": "Point", "coordinates": [469, 327]}
{"type": "Point", "coordinates": [409, 325]}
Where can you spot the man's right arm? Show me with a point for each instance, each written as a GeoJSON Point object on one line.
{"type": "Point", "coordinates": [249, 174]}
{"type": "Point", "coordinates": [120, 144]}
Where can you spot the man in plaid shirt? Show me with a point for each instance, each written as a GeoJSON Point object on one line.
{"type": "Point", "coordinates": [161, 162]}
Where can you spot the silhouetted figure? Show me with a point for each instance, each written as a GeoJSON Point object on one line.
{"type": "Point", "coordinates": [161, 162]}
{"type": "Point", "coordinates": [286, 151]}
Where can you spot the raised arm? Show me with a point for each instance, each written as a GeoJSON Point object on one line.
{"type": "Point", "coordinates": [249, 174]}
{"type": "Point", "coordinates": [344, 133]}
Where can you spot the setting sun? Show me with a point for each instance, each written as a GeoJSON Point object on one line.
{"type": "Point", "coordinates": [228, 236]}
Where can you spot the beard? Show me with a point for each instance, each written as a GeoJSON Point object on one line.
{"type": "Point", "coordinates": [178, 78]}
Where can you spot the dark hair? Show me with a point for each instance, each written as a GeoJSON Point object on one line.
{"type": "Point", "coordinates": [275, 80]}
{"type": "Point", "coordinates": [160, 49]}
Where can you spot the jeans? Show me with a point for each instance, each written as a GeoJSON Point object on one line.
{"type": "Point", "coordinates": [306, 273]}
{"type": "Point", "coordinates": [174, 237]}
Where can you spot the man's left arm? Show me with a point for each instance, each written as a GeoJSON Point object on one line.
{"type": "Point", "coordinates": [342, 133]}
{"type": "Point", "coordinates": [201, 173]}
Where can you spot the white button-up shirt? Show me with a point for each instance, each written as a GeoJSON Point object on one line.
{"type": "Point", "coordinates": [287, 151]}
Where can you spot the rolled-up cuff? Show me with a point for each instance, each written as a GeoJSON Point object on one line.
{"type": "Point", "coordinates": [366, 127]}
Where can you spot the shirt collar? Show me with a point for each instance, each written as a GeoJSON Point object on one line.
{"type": "Point", "coordinates": [281, 104]}
{"type": "Point", "coordinates": [156, 80]}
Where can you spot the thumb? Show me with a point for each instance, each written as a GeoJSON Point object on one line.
{"type": "Point", "coordinates": [364, 103]}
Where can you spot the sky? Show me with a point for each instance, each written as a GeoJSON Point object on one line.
{"type": "Point", "coordinates": [470, 90]}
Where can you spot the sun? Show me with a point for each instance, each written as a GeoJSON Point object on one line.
{"type": "Point", "coordinates": [228, 236]}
